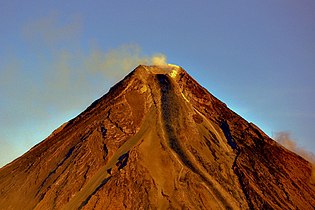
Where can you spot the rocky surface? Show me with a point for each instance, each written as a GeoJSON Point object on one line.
{"type": "Point", "coordinates": [157, 140]}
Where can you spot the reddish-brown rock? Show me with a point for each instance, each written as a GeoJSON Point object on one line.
{"type": "Point", "coordinates": [157, 140]}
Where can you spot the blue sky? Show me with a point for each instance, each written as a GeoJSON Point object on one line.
{"type": "Point", "coordinates": [57, 57]}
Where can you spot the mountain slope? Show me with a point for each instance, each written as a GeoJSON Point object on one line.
{"type": "Point", "coordinates": [157, 140]}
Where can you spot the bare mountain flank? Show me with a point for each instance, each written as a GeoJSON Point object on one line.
{"type": "Point", "coordinates": [157, 140]}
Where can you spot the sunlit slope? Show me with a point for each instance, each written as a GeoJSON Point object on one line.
{"type": "Point", "coordinates": [157, 140]}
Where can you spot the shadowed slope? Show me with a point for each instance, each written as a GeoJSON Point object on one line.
{"type": "Point", "coordinates": [157, 140]}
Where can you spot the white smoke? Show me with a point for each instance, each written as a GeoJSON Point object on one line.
{"type": "Point", "coordinates": [117, 62]}
{"type": "Point", "coordinates": [159, 60]}
{"type": "Point", "coordinates": [285, 139]}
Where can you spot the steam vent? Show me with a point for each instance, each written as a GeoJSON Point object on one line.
{"type": "Point", "coordinates": [157, 140]}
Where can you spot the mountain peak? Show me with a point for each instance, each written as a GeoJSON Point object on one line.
{"type": "Point", "coordinates": [167, 69]}
{"type": "Point", "coordinates": [157, 140]}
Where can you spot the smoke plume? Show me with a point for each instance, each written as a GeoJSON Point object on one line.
{"type": "Point", "coordinates": [59, 87]}
{"type": "Point", "coordinates": [115, 63]}
{"type": "Point", "coordinates": [159, 59]}
{"type": "Point", "coordinates": [285, 139]}
{"type": "Point", "coordinates": [57, 80]}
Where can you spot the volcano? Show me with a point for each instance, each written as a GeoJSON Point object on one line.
{"type": "Point", "coordinates": [157, 140]}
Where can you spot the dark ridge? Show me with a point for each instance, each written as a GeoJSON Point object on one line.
{"type": "Point", "coordinates": [226, 130]}
{"type": "Point", "coordinates": [103, 131]}
{"type": "Point", "coordinates": [99, 187]}
{"type": "Point", "coordinates": [122, 161]}
{"type": "Point", "coordinates": [86, 135]}
{"type": "Point", "coordinates": [241, 179]}
{"type": "Point", "coordinates": [105, 149]}
{"type": "Point", "coordinates": [208, 143]}
{"type": "Point", "coordinates": [213, 136]}
{"type": "Point", "coordinates": [55, 169]}
{"type": "Point", "coordinates": [85, 173]}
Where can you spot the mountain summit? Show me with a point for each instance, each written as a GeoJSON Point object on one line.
{"type": "Point", "coordinates": [157, 140]}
